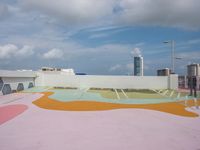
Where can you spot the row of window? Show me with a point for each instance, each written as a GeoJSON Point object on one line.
{"type": "Point", "coordinates": [6, 88]}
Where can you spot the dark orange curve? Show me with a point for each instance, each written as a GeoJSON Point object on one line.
{"type": "Point", "coordinates": [172, 107]}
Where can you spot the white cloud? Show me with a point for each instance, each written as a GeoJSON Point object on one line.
{"type": "Point", "coordinates": [104, 28]}
{"type": "Point", "coordinates": [98, 35]}
{"type": "Point", "coordinates": [53, 54]}
{"type": "Point", "coordinates": [115, 48]}
{"type": "Point", "coordinates": [25, 51]}
{"type": "Point", "coordinates": [129, 67]}
{"type": "Point", "coordinates": [189, 55]}
{"type": "Point", "coordinates": [10, 51]}
{"type": "Point", "coordinates": [136, 52]}
{"type": "Point", "coordinates": [7, 51]}
{"type": "Point", "coordinates": [115, 67]}
{"type": "Point", "coordinates": [179, 13]}
{"type": "Point", "coordinates": [170, 13]}
{"type": "Point", "coordinates": [194, 41]}
{"type": "Point", "coordinates": [72, 11]}
{"type": "Point", "coordinates": [102, 32]}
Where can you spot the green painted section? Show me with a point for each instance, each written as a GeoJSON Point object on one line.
{"type": "Point", "coordinates": [80, 95]}
{"type": "Point", "coordinates": [134, 97]}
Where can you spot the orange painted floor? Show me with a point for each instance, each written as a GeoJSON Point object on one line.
{"type": "Point", "coordinates": [172, 107]}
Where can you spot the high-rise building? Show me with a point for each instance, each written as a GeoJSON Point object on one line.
{"type": "Point", "coordinates": [163, 72]}
{"type": "Point", "coordinates": [138, 66]}
{"type": "Point", "coordinates": [193, 70]}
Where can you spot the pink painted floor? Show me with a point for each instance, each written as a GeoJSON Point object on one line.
{"type": "Point", "coordinates": [11, 111]}
{"type": "Point", "coordinates": [124, 129]}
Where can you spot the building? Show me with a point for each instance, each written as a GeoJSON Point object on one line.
{"type": "Point", "coordinates": [50, 69]}
{"type": "Point", "coordinates": [68, 71]}
{"type": "Point", "coordinates": [182, 82]}
{"type": "Point", "coordinates": [138, 66]}
{"type": "Point", "coordinates": [193, 70]}
{"type": "Point", "coordinates": [14, 81]}
{"type": "Point", "coordinates": [58, 70]}
{"type": "Point", "coordinates": [163, 72]}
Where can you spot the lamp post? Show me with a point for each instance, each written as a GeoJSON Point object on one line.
{"type": "Point", "coordinates": [172, 54]}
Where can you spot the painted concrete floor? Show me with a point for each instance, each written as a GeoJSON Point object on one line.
{"type": "Point", "coordinates": [41, 129]}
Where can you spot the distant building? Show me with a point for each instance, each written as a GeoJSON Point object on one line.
{"type": "Point", "coordinates": [183, 82]}
{"type": "Point", "coordinates": [58, 70]}
{"type": "Point", "coordinates": [50, 69]}
{"type": "Point", "coordinates": [193, 70]}
{"type": "Point", "coordinates": [68, 71]}
{"type": "Point", "coordinates": [138, 66]}
{"type": "Point", "coordinates": [163, 72]}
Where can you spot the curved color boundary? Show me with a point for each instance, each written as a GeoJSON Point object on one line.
{"type": "Point", "coordinates": [11, 111]}
{"type": "Point", "coordinates": [172, 107]}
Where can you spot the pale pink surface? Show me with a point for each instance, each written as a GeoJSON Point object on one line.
{"type": "Point", "coordinates": [125, 129]}
{"type": "Point", "coordinates": [12, 97]}
{"type": "Point", "coordinates": [11, 111]}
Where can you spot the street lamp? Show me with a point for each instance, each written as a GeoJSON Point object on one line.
{"type": "Point", "coordinates": [172, 54]}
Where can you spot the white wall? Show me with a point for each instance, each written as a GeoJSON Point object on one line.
{"type": "Point", "coordinates": [118, 82]}
{"type": "Point", "coordinates": [14, 81]}
{"type": "Point", "coordinates": [87, 81]}
{"type": "Point", "coordinates": [8, 73]}
{"type": "Point", "coordinates": [15, 77]}
{"type": "Point", "coordinates": [173, 81]}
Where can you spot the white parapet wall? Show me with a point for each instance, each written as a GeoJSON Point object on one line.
{"type": "Point", "coordinates": [116, 82]}
{"type": "Point", "coordinates": [15, 80]}
{"type": "Point", "coordinates": [8, 73]}
{"type": "Point", "coordinates": [173, 81]}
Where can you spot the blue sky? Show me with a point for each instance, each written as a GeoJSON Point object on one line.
{"type": "Point", "coordinates": [98, 37]}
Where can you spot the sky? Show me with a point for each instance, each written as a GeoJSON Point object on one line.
{"type": "Point", "coordinates": [98, 37]}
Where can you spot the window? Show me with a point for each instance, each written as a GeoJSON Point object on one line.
{"type": "Point", "coordinates": [6, 89]}
{"type": "Point", "coordinates": [30, 85]}
{"type": "Point", "coordinates": [20, 87]}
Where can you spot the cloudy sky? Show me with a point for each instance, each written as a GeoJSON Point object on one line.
{"type": "Point", "coordinates": [98, 36]}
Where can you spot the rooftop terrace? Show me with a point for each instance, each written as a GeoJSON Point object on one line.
{"type": "Point", "coordinates": [49, 118]}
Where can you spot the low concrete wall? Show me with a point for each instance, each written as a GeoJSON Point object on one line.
{"type": "Point", "coordinates": [12, 79]}
{"type": "Point", "coordinates": [173, 81]}
{"type": "Point", "coordinates": [117, 82]}
{"type": "Point", "coordinates": [8, 73]}
{"type": "Point", "coordinates": [13, 82]}
{"type": "Point", "coordinates": [61, 80]}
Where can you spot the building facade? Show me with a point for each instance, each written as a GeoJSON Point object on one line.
{"type": "Point", "coordinates": [14, 81]}
{"type": "Point", "coordinates": [183, 82]}
{"type": "Point", "coordinates": [193, 70]}
{"type": "Point", "coordinates": [138, 66]}
{"type": "Point", "coordinates": [163, 72]}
